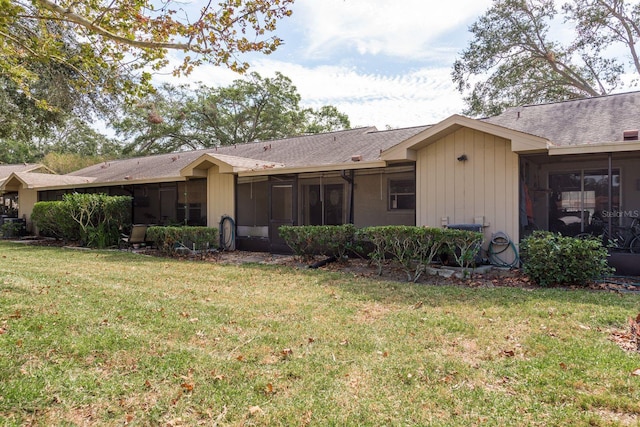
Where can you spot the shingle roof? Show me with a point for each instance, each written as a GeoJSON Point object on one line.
{"type": "Point", "coordinates": [585, 121]}
{"type": "Point", "coordinates": [308, 150]}
{"type": "Point", "coordinates": [6, 170]}
{"type": "Point", "coordinates": [36, 180]}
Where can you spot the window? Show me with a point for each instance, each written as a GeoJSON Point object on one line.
{"type": "Point", "coordinates": [402, 194]}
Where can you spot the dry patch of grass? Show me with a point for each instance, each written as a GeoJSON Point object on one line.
{"type": "Point", "coordinates": [109, 338]}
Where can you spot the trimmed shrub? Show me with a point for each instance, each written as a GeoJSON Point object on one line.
{"type": "Point", "coordinates": [462, 245]}
{"type": "Point", "coordinates": [172, 240]}
{"type": "Point", "coordinates": [93, 219]}
{"type": "Point", "coordinates": [99, 216]}
{"type": "Point", "coordinates": [551, 259]}
{"type": "Point", "coordinates": [413, 248]}
{"type": "Point", "coordinates": [53, 220]}
{"type": "Point", "coordinates": [308, 240]}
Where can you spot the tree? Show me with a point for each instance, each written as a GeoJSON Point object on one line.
{"type": "Point", "coordinates": [250, 109]}
{"type": "Point", "coordinates": [97, 42]}
{"type": "Point", "coordinates": [255, 108]}
{"type": "Point", "coordinates": [158, 123]}
{"type": "Point", "coordinates": [325, 119]}
{"type": "Point", "coordinates": [512, 59]}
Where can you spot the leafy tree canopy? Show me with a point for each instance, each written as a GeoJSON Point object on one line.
{"type": "Point", "coordinates": [255, 108]}
{"type": "Point", "coordinates": [514, 59]}
{"type": "Point", "coordinates": [96, 42]}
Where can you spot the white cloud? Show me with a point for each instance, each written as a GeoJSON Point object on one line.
{"type": "Point", "coordinates": [418, 97]}
{"type": "Point", "coordinates": [393, 28]}
{"type": "Point", "coordinates": [372, 91]}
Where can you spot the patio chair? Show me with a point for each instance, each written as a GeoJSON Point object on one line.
{"type": "Point", "coordinates": [137, 236]}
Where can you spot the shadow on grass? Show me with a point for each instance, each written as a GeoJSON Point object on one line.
{"type": "Point", "coordinates": [378, 289]}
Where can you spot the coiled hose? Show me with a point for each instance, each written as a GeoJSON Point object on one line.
{"type": "Point", "coordinates": [500, 246]}
{"type": "Point", "coordinates": [227, 233]}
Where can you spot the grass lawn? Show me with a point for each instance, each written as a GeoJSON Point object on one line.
{"type": "Point", "coordinates": [113, 338]}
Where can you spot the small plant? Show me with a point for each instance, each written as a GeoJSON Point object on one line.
{"type": "Point", "coordinates": [463, 245]}
{"type": "Point", "coordinates": [551, 259]}
{"type": "Point", "coordinates": [11, 229]}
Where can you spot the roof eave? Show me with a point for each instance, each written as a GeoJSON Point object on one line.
{"type": "Point", "coordinates": [520, 142]}
{"type": "Point", "coordinates": [610, 147]}
{"type": "Point", "coordinates": [371, 164]}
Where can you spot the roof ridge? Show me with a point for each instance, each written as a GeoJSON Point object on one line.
{"type": "Point", "coordinates": [586, 98]}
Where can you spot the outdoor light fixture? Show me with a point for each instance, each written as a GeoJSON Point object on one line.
{"type": "Point", "coordinates": [463, 158]}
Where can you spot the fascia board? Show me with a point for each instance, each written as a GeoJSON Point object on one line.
{"type": "Point", "coordinates": [317, 168]}
{"type": "Point", "coordinates": [613, 147]}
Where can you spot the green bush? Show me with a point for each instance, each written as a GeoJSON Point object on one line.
{"type": "Point", "coordinates": [99, 216]}
{"type": "Point", "coordinates": [413, 248]}
{"type": "Point", "coordinates": [462, 245]}
{"type": "Point", "coordinates": [308, 240]}
{"type": "Point", "coordinates": [53, 220]}
{"type": "Point", "coordinates": [171, 240]}
{"type": "Point", "coordinates": [94, 219]}
{"type": "Point", "coordinates": [551, 259]}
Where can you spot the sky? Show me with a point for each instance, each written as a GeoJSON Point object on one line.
{"type": "Point", "coordinates": [385, 63]}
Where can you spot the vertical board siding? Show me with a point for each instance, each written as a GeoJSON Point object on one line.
{"type": "Point", "coordinates": [27, 197]}
{"type": "Point", "coordinates": [220, 196]}
{"type": "Point", "coordinates": [484, 185]}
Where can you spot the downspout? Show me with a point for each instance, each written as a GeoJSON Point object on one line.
{"type": "Point", "coordinates": [349, 178]}
{"type": "Point", "coordinates": [610, 202]}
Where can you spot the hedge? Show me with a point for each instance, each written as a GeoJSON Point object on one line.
{"type": "Point", "coordinates": [413, 248]}
{"type": "Point", "coordinates": [172, 240]}
{"type": "Point", "coordinates": [308, 240]}
{"type": "Point", "coordinates": [93, 219]}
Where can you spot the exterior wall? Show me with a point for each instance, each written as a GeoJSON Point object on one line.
{"type": "Point", "coordinates": [371, 202]}
{"type": "Point", "coordinates": [220, 196]}
{"type": "Point", "coordinates": [458, 192]}
{"type": "Point", "coordinates": [26, 199]}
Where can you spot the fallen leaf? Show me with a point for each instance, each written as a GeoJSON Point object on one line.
{"type": "Point", "coordinates": [147, 384]}
{"type": "Point", "coordinates": [508, 353]}
{"type": "Point", "coordinates": [268, 388]}
{"type": "Point", "coordinates": [636, 372]}
{"type": "Point", "coordinates": [563, 366]}
{"type": "Point", "coordinates": [255, 410]}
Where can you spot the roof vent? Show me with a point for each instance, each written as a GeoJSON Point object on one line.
{"type": "Point", "coordinates": [356, 157]}
{"type": "Point", "coordinates": [630, 135]}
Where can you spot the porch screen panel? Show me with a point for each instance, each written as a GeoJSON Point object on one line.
{"type": "Point", "coordinates": [323, 204]}
{"type": "Point", "coordinates": [281, 202]}
{"type": "Point", "coordinates": [579, 201]}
